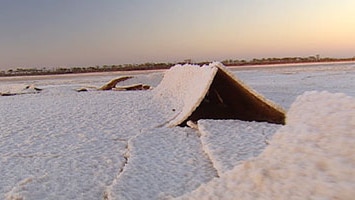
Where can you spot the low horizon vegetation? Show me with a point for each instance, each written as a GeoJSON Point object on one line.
{"type": "Point", "coordinates": [19, 71]}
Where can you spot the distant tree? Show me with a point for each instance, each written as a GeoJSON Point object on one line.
{"type": "Point", "coordinates": [77, 69]}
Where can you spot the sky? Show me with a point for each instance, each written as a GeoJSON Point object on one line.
{"type": "Point", "coordinates": [53, 33]}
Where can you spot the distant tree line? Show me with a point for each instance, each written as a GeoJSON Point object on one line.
{"type": "Point", "coordinates": [285, 60]}
{"type": "Point", "coordinates": [69, 70]}
{"type": "Point", "coordinates": [154, 66]}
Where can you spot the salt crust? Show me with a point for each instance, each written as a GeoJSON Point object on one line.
{"type": "Point", "coordinates": [14, 89]}
{"type": "Point", "coordinates": [60, 144]}
{"type": "Point", "coordinates": [183, 88]}
{"type": "Point", "coordinates": [311, 157]}
{"type": "Point", "coordinates": [163, 162]}
{"type": "Point", "coordinates": [228, 142]}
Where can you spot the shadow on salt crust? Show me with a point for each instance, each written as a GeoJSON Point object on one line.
{"type": "Point", "coordinates": [212, 92]}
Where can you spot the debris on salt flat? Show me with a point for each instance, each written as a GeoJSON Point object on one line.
{"type": "Point", "coordinates": [112, 85]}
{"type": "Point", "coordinates": [132, 87]}
{"type": "Point", "coordinates": [311, 157]}
{"type": "Point", "coordinates": [16, 89]}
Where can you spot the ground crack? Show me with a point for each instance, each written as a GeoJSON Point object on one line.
{"type": "Point", "coordinates": [108, 192]}
{"type": "Point", "coordinates": [266, 141]}
{"type": "Point", "coordinates": [200, 132]}
{"type": "Point", "coordinates": [126, 155]}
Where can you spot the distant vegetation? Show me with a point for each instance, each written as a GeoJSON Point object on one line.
{"type": "Point", "coordinates": [152, 66]}
{"type": "Point", "coordinates": [286, 60]}
{"type": "Point", "coordinates": [68, 70]}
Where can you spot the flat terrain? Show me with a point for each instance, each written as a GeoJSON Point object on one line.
{"type": "Point", "coordinates": [62, 144]}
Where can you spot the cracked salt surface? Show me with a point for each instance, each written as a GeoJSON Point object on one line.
{"type": "Point", "coordinates": [311, 157]}
{"type": "Point", "coordinates": [162, 162]}
{"type": "Point", "coordinates": [239, 140]}
{"type": "Point", "coordinates": [67, 144]}
{"type": "Point", "coordinates": [60, 144]}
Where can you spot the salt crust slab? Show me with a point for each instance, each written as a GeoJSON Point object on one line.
{"type": "Point", "coordinates": [15, 89]}
{"type": "Point", "coordinates": [183, 88]}
{"type": "Point", "coordinates": [69, 145]}
{"type": "Point", "coordinates": [228, 142]}
{"type": "Point", "coordinates": [161, 163]}
{"type": "Point", "coordinates": [312, 157]}
{"type": "Point", "coordinates": [61, 144]}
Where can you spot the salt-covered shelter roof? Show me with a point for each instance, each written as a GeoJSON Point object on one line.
{"type": "Point", "coordinates": [212, 92]}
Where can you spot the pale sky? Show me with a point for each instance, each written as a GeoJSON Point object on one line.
{"type": "Point", "coordinates": [51, 33]}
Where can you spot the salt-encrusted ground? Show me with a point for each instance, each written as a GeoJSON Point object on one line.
{"type": "Point", "coordinates": [228, 142]}
{"type": "Point", "coordinates": [60, 144]}
{"type": "Point", "coordinates": [283, 85]}
{"type": "Point", "coordinates": [311, 157]}
{"type": "Point", "coordinates": [162, 162]}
